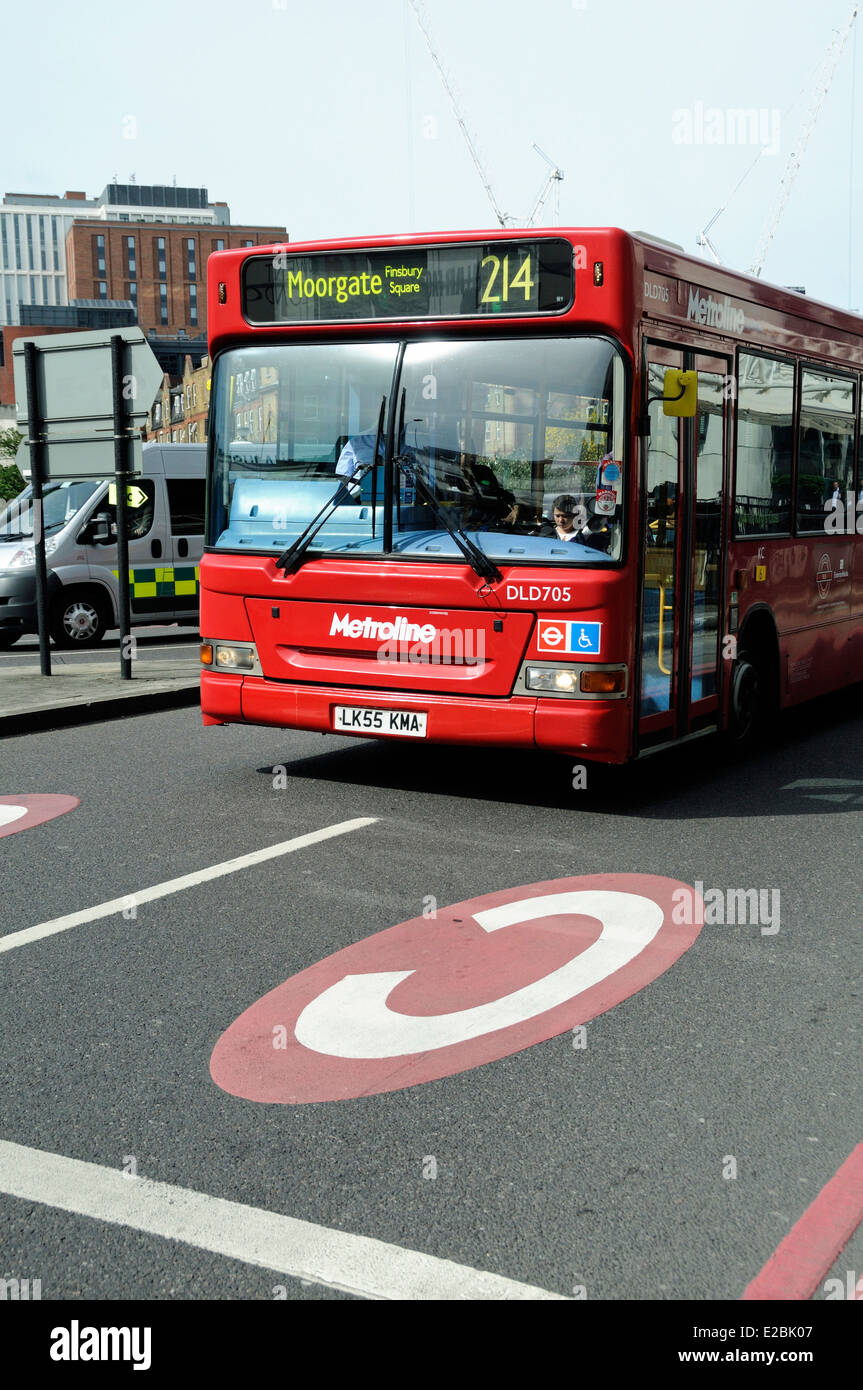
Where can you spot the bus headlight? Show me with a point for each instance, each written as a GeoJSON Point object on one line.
{"type": "Point", "coordinates": [230, 656]}
{"type": "Point", "coordinates": [562, 680]}
{"type": "Point", "coordinates": [233, 658]}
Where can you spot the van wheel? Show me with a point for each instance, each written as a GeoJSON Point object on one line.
{"type": "Point", "coordinates": [79, 619]}
{"type": "Point", "coordinates": [9, 638]}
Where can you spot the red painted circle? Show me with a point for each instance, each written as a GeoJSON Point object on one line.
{"type": "Point", "coordinates": [35, 808]}
{"type": "Point", "coordinates": [435, 996]}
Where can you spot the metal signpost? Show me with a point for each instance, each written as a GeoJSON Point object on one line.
{"type": "Point", "coordinates": [81, 399]}
{"type": "Point", "coordinates": [36, 480]}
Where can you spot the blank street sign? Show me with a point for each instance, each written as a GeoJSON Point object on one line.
{"type": "Point", "coordinates": [76, 398]}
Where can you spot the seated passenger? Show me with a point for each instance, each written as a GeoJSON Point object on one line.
{"type": "Point", "coordinates": [570, 522]}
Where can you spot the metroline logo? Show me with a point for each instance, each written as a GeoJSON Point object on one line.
{"type": "Point", "coordinates": [713, 312]}
{"type": "Point", "coordinates": [400, 629]}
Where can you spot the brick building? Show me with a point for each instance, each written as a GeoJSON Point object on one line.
{"type": "Point", "coordinates": [160, 267]}
{"type": "Point", "coordinates": [179, 413]}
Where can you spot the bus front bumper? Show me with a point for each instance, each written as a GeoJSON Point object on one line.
{"type": "Point", "coordinates": [596, 729]}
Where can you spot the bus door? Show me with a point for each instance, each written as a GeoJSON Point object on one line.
{"type": "Point", "coordinates": [684, 486]}
{"type": "Point", "coordinates": [705, 462]}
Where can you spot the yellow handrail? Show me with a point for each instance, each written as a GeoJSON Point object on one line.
{"type": "Point", "coordinates": [666, 670]}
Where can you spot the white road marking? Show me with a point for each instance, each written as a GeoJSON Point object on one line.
{"type": "Point", "coordinates": [176, 885]}
{"type": "Point", "coordinates": [353, 1019]}
{"type": "Point", "coordinates": [8, 813]}
{"type": "Point", "coordinates": [299, 1249]}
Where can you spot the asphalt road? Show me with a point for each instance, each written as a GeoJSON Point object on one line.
{"type": "Point", "coordinates": [604, 1167]}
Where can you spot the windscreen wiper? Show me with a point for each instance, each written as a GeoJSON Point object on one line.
{"type": "Point", "coordinates": [476, 558]}
{"type": "Point", "coordinates": [290, 559]}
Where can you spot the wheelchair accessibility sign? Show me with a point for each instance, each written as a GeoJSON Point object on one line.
{"type": "Point", "coordinates": [571, 637]}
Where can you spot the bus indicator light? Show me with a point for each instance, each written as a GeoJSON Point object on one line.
{"type": "Point", "coordinates": [603, 682]}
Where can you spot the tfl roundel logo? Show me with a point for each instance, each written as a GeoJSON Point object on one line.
{"type": "Point", "coordinates": [551, 636]}
{"type": "Point", "coordinates": [433, 996]}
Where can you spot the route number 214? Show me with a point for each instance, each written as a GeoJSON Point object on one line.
{"type": "Point", "coordinates": [500, 269]}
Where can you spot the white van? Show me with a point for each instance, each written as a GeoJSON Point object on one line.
{"type": "Point", "coordinates": [166, 541]}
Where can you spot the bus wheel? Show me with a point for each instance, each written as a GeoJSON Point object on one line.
{"type": "Point", "coordinates": [749, 702]}
{"type": "Point", "coordinates": [79, 619]}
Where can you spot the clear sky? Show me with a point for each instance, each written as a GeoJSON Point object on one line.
{"type": "Point", "coordinates": [330, 118]}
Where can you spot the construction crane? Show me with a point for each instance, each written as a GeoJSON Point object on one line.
{"type": "Point", "coordinates": [554, 178]}
{"type": "Point", "coordinates": [703, 239]}
{"type": "Point", "coordinates": [448, 88]}
{"type": "Point", "coordinates": [822, 87]}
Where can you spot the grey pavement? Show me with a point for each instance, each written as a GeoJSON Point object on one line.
{"type": "Point", "coordinates": [87, 685]}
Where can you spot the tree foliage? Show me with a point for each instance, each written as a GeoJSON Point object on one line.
{"type": "Point", "coordinates": [11, 482]}
{"type": "Point", "coordinates": [9, 441]}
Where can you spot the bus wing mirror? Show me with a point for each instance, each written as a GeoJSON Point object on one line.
{"type": "Point", "coordinates": [679, 393]}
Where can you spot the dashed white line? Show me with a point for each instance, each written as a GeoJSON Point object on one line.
{"type": "Point", "coordinates": [177, 885]}
{"type": "Point", "coordinates": [353, 1264]}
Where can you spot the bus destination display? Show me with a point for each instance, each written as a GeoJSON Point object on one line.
{"type": "Point", "coordinates": [520, 277]}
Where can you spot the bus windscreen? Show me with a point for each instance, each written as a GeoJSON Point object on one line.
{"type": "Point", "coordinates": [518, 443]}
{"type": "Point", "coordinates": [477, 280]}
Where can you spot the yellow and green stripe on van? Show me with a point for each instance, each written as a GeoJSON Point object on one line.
{"type": "Point", "coordinates": [168, 581]}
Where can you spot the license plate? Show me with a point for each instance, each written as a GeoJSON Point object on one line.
{"type": "Point", "coordinates": [403, 723]}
